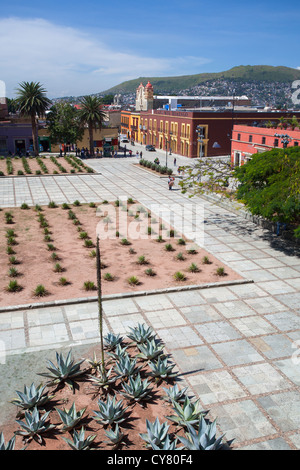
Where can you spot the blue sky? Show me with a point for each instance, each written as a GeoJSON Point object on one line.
{"type": "Point", "coordinates": [78, 48]}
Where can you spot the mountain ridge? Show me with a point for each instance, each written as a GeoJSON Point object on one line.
{"type": "Point", "coordinates": [173, 84]}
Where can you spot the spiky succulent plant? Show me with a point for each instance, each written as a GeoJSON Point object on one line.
{"type": "Point", "coordinates": [103, 380]}
{"type": "Point", "coordinates": [110, 411]}
{"type": "Point", "coordinates": [167, 445]}
{"type": "Point", "coordinates": [111, 341]}
{"type": "Point", "coordinates": [119, 351]}
{"type": "Point", "coordinates": [80, 442]}
{"type": "Point", "coordinates": [140, 333]}
{"type": "Point", "coordinates": [125, 367]}
{"type": "Point", "coordinates": [149, 350]}
{"type": "Point", "coordinates": [204, 438]}
{"type": "Point", "coordinates": [136, 389]}
{"type": "Point", "coordinates": [187, 413]}
{"type": "Point", "coordinates": [175, 394]}
{"type": "Point", "coordinates": [65, 371]}
{"type": "Point", "coordinates": [156, 433]}
{"type": "Point", "coordinates": [115, 436]}
{"type": "Point", "coordinates": [10, 444]}
{"type": "Point", "coordinates": [34, 425]}
{"type": "Point", "coordinates": [70, 418]}
{"type": "Point", "coordinates": [160, 369]}
{"type": "Point", "coordinates": [32, 396]}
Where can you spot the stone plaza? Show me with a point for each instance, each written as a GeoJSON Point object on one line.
{"type": "Point", "coordinates": [236, 345]}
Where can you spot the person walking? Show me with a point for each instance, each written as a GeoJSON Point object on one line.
{"type": "Point", "coordinates": [171, 182]}
{"type": "Point", "coordinates": [141, 154]}
{"type": "Point", "coordinates": [175, 161]}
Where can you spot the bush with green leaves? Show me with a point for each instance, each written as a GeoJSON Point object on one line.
{"type": "Point", "coordinates": [32, 397]}
{"type": "Point", "coordinates": [108, 277]}
{"type": "Point", "coordinates": [40, 291]}
{"type": "Point", "coordinates": [133, 281]}
{"type": "Point", "coordinates": [89, 285]}
{"type": "Point", "coordinates": [193, 268]}
{"type": "Point", "coordinates": [70, 417]}
{"type": "Point", "coordinates": [179, 276]}
{"type": "Point", "coordinates": [220, 271]}
{"type": "Point", "coordinates": [110, 411]}
{"type": "Point", "coordinates": [150, 272]}
{"type": "Point", "coordinates": [13, 286]}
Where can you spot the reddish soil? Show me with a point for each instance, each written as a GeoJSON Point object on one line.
{"type": "Point", "coordinates": [86, 396]}
{"type": "Point", "coordinates": [78, 266]}
{"type": "Point", "coordinates": [34, 166]}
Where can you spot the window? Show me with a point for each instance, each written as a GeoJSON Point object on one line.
{"type": "Point", "coordinates": [296, 144]}
{"type": "Point", "coordinates": [263, 140]}
{"type": "Point", "coordinates": [250, 138]}
{"type": "Point", "coordinates": [239, 137]}
{"type": "Point", "coordinates": [3, 145]}
{"type": "Point", "coordinates": [276, 143]}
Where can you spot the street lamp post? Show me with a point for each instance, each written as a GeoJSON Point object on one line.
{"type": "Point", "coordinates": [199, 131]}
{"type": "Point", "coordinates": [285, 139]}
{"type": "Point", "coordinates": [168, 142]}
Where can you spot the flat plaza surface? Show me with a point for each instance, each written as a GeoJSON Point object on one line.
{"type": "Point", "coordinates": [236, 346]}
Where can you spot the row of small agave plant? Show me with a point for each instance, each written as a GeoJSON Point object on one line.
{"type": "Point", "coordinates": [200, 434]}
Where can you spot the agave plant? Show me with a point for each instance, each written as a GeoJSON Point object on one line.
{"type": "Point", "coordinates": [156, 433]}
{"type": "Point", "coordinates": [118, 352]}
{"type": "Point", "coordinates": [140, 333]}
{"type": "Point", "coordinates": [149, 349]}
{"type": "Point", "coordinates": [175, 394]}
{"type": "Point", "coordinates": [187, 413]}
{"type": "Point", "coordinates": [114, 436]}
{"type": "Point", "coordinates": [34, 425]}
{"type": "Point", "coordinates": [94, 362]}
{"type": "Point", "coordinates": [136, 389]}
{"type": "Point", "coordinates": [110, 411]}
{"type": "Point", "coordinates": [32, 397]}
{"type": "Point", "coordinates": [70, 418]}
{"type": "Point", "coordinates": [167, 445]}
{"type": "Point", "coordinates": [125, 367]}
{"type": "Point", "coordinates": [103, 380]}
{"type": "Point", "coordinates": [111, 341]}
{"type": "Point", "coordinates": [10, 444]}
{"type": "Point", "coordinates": [160, 369]}
{"type": "Point", "coordinates": [79, 441]}
{"type": "Point", "coordinates": [65, 371]}
{"type": "Point", "coordinates": [202, 439]}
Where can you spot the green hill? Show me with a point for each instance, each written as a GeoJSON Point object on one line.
{"type": "Point", "coordinates": [244, 73]}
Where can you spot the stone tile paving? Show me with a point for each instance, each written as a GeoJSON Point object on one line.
{"type": "Point", "coordinates": [235, 346]}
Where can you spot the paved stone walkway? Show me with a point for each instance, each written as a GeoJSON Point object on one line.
{"type": "Point", "coordinates": [236, 346]}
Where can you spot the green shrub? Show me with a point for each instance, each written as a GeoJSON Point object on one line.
{"type": "Point", "coordinates": [108, 277]}
{"type": "Point", "coordinates": [205, 260]}
{"type": "Point", "coordinates": [40, 291]}
{"type": "Point", "coordinates": [193, 268]}
{"type": "Point", "coordinates": [150, 272]}
{"type": "Point", "coordinates": [169, 247]}
{"type": "Point", "coordinates": [220, 271]}
{"type": "Point", "coordinates": [133, 280]}
{"type": "Point", "coordinates": [13, 286]}
{"type": "Point", "coordinates": [179, 276]}
{"type": "Point", "coordinates": [89, 285]}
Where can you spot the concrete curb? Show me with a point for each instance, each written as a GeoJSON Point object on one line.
{"type": "Point", "coordinates": [124, 295]}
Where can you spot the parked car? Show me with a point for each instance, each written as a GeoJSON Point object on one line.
{"type": "Point", "coordinates": [150, 148]}
{"type": "Point", "coordinates": [125, 141]}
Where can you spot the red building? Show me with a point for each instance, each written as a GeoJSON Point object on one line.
{"type": "Point", "coordinates": [248, 140]}
{"type": "Point", "coordinates": [181, 131]}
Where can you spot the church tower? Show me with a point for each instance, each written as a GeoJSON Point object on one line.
{"type": "Point", "coordinates": [144, 97]}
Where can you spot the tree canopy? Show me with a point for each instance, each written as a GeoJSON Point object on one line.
{"type": "Point", "coordinates": [64, 124]}
{"type": "Point", "coordinates": [270, 185]}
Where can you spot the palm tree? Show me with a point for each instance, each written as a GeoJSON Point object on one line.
{"type": "Point", "coordinates": [92, 115]}
{"type": "Point", "coordinates": [32, 101]}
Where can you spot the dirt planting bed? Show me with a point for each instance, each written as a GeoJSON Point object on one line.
{"type": "Point", "coordinates": [55, 247]}
{"type": "Point", "coordinates": [43, 165]}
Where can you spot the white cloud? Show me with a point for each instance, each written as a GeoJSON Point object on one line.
{"type": "Point", "coordinates": [68, 61]}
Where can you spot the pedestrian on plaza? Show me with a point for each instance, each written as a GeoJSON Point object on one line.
{"type": "Point", "coordinates": [97, 153]}
{"type": "Point", "coordinates": [130, 153]}
{"type": "Point", "coordinates": [178, 170]}
{"type": "Point", "coordinates": [171, 182]}
{"type": "Point", "coordinates": [175, 161]}
{"type": "Point", "coordinates": [141, 154]}
{"type": "Point", "coordinates": [137, 154]}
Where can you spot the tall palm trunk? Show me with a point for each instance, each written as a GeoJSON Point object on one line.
{"type": "Point", "coordinates": [91, 134]}
{"type": "Point", "coordinates": [34, 135]}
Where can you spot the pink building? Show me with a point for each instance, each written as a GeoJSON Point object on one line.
{"type": "Point", "coordinates": [248, 140]}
